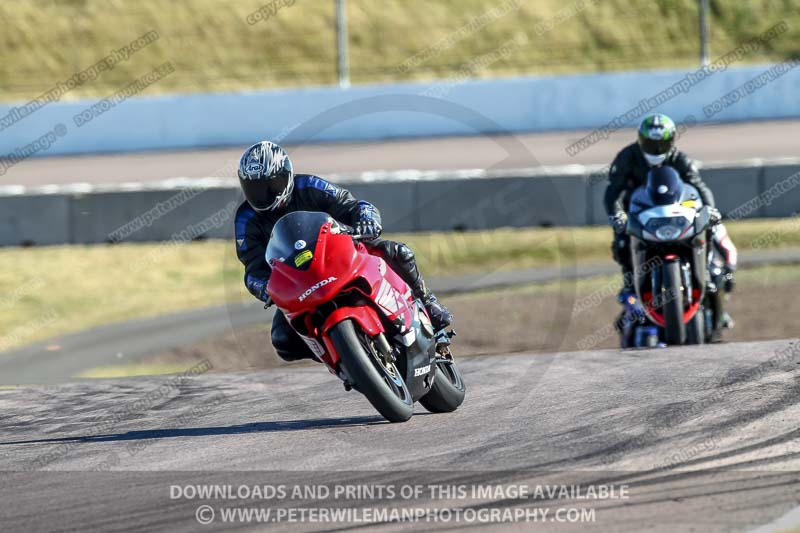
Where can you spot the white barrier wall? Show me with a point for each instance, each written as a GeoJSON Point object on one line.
{"type": "Point", "coordinates": [400, 110]}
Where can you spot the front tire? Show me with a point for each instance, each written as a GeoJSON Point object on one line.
{"type": "Point", "coordinates": [696, 328]}
{"type": "Point", "coordinates": [448, 390]}
{"type": "Point", "coordinates": [717, 308]}
{"type": "Point", "coordinates": [675, 332]}
{"type": "Point", "coordinates": [383, 387]}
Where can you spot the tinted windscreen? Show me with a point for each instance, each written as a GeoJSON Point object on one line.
{"type": "Point", "coordinates": [294, 238]}
{"type": "Point", "coordinates": [664, 186]}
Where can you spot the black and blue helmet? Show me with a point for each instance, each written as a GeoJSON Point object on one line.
{"type": "Point", "coordinates": [266, 176]}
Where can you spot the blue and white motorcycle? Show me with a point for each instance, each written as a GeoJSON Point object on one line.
{"type": "Point", "coordinates": [677, 300]}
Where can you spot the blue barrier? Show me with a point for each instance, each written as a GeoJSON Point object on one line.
{"type": "Point", "coordinates": [374, 112]}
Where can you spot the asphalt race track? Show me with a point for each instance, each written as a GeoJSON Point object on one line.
{"type": "Point", "coordinates": [704, 439]}
{"type": "Point", "coordinates": [706, 143]}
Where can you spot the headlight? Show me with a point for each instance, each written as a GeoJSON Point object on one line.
{"type": "Point", "coordinates": [666, 228]}
{"type": "Point", "coordinates": [668, 232]}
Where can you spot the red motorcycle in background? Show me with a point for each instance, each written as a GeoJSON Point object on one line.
{"type": "Point", "coordinates": [360, 318]}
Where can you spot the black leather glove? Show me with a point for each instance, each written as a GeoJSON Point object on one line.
{"type": "Point", "coordinates": [619, 221]}
{"type": "Point", "coordinates": [368, 229]}
{"type": "Point", "coordinates": [714, 216]}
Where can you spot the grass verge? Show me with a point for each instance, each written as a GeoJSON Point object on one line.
{"type": "Point", "coordinates": [134, 369]}
{"type": "Point", "coordinates": [214, 48]}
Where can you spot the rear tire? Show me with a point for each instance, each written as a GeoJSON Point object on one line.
{"type": "Point", "coordinates": [448, 390]}
{"type": "Point", "coordinates": [388, 395]}
{"type": "Point", "coordinates": [675, 332]}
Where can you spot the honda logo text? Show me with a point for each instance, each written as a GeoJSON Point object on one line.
{"type": "Point", "coordinates": [315, 287]}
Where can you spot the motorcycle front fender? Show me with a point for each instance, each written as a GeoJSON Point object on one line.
{"type": "Point", "coordinates": [366, 317]}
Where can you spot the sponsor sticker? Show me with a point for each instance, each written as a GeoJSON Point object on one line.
{"type": "Point", "coordinates": [422, 370]}
{"type": "Point", "coordinates": [254, 168]}
{"type": "Point", "coordinates": [303, 258]}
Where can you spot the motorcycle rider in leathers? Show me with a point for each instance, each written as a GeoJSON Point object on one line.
{"type": "Point", "coordinates": [656, 147]}
{"type": "Point", "coordinates": [271, 190]}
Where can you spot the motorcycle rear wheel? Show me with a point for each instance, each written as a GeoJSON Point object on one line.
{"type": "Point", "coordinates": [674, 329]}
{"type": "Point", "coordinates": [448, 390]}
{"type": "Point", "coordinates": [381, 384]}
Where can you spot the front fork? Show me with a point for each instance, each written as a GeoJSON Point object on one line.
{"type": "Point", "coordinates": [686, 272]}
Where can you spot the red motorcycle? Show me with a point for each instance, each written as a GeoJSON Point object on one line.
{"type": "Point", "coordinates": [360, 318]}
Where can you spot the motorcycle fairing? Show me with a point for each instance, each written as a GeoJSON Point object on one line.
{"type": "Point", "coordinates": [334, 259]}
{"type": "Point", "coordinates": [666, 222]}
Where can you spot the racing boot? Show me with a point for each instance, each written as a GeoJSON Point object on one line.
{"type": "Point", "coordinates": [441, 317]}
{"type": "Point", "coordinates": [628, 316]}
{"type": "Point", "coordinates": [730, 283]}
{"type": "Point", "coordinates": [627, 289]}
{"type": "Point", "coordinates": [727, 321]}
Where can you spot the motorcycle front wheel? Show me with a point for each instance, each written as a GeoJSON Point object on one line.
{"type": "Point", "coordinates": [376, 379]}
{"type": "Point", "coordinates": [674, 329]}
{"type": "Point", "coordinates": [696, 328]}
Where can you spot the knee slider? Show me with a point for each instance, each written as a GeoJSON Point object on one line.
{"type": "Point", "coordinates": [288, 356]}
{"type": "Point", "coordinates": [280, 339]}
{"type": "Point", "coordinates": [283, 346]}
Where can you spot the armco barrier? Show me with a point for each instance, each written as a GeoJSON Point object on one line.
{"type": "Point", "coordinates": [431, 201]}
{"type": "Point", "coordinates": [374, 112]}
{"type": "Point", "coordinates": [782, 178]}
{"type": "Point", "coordinates": [113, 216]}
{"type": "Point", "coordinates": [734, 186]}
{"type": "Point", "coordinates": [35, 219]}
{"type": "Point", "coordinates": [514, 201]}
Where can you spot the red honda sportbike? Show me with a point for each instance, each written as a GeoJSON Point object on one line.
{"type": "Point", "coordinates": [359, 317]}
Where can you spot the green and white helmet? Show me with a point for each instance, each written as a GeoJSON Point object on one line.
{"type": "Point", "coordinates": [657, 138]}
